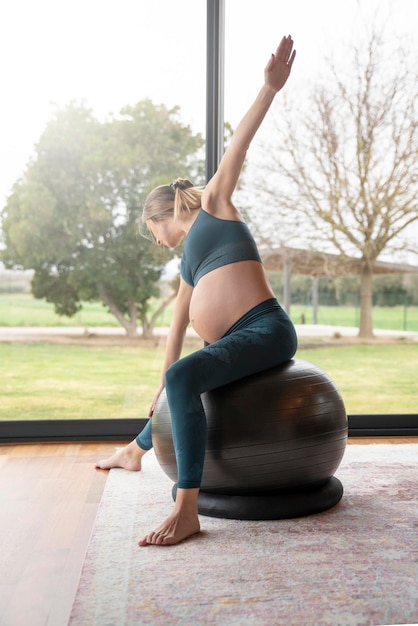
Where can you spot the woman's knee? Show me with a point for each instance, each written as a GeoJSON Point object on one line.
{"type": "Point", "coordinates": [179, 376]}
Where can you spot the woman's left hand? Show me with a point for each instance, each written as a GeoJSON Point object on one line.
{"type": "Point", "coordinates": [278, 68]}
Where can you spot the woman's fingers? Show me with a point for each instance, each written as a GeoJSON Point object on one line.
{"type": "Point", "coordinates": [284, 50]}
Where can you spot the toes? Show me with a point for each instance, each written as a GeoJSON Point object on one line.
{"type": "Point", "coordinates": [151, 539]}
{"type": "Point", "coordinates": [144, 542]}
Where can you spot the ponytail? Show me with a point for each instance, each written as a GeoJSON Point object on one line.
{"type": "Point", "coordinates": [186, 197]}
{"type": "Point", "coordinates": [171, 200]}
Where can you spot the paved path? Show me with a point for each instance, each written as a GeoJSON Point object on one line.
{"type": "Point", "coordinates": [319, 331]}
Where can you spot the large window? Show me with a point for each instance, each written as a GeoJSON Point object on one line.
{"type": "Point", "coordinates": [103, 81]}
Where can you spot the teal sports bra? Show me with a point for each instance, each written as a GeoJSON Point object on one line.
{"type": "Point", "coordinates": [213, 242]}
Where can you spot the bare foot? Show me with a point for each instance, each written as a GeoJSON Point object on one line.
{"type": "Point", "coordinates": [128, 458]}
{"type": "Point", "coordinates": [180, 525]}
{"type": "Point", "coordinates": [176, 528]}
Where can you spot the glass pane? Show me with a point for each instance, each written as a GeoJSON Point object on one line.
{"type": "Point", "coordinates": [323, 294]}
{"type": "Point", "coordinates": [78, 66]}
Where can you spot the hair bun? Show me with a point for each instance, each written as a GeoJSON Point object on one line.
{"type": "Point", "coordinates": [182, 184]}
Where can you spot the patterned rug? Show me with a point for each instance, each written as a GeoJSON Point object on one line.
{"type": "Point", "coordinates": [356, 564]}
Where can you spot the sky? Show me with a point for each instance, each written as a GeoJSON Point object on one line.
{"type": "Point", "coordinates": [111, 53]}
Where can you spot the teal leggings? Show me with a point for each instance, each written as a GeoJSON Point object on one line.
{"type": "Point", "coordinates": [263, 338]}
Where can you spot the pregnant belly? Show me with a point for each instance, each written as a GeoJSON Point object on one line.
{"type": "Point", "coordinates": [224, 295]}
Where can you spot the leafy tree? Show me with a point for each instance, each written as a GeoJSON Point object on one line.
{"type": "Point", "coordinates": [344, 170]}
{"type": "Point", "coordinates": [73, 216]}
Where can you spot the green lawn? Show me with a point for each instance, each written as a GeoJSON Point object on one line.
{"type": "Point", "coordinates": [372, 378]}
{"type": "Point", "coordinates": [42, 381]}
{"type": "Point", "coordinates": [389, 318]}
{"type": "Point", "coordinates": [24, 310]}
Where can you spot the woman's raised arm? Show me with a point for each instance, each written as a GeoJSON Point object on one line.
{"type": "Point", "coordinates": [218, 192]}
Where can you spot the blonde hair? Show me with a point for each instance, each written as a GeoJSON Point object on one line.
{"type": "Point", "coordinates": [171, 201]}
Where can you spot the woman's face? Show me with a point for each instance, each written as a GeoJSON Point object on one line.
{"type": "Point", "coordinates": [166, 232]}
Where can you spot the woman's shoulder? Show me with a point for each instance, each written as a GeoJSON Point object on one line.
{"type": "Point", "coordinates": [220, 208]}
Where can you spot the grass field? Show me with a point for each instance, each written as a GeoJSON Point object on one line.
{"type": "Point", "coordinates": [43, 381]}
{"type": "Point", "coordinates": [24, 310]}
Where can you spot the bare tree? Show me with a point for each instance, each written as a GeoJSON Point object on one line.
{"type": "Point", "coordinates": [346, 164]}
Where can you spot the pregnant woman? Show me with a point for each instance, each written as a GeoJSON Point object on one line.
{"type": "Point", "coordinates": [225, 294]}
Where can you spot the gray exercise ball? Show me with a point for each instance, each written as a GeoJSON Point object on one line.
{"type": "Point", "coordinates": [274, 441]}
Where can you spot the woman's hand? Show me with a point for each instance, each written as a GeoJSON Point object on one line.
{"type": "Point", "coordinates": [155, 400]}
{"type": "Point", "coordinates": [278, 68]}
